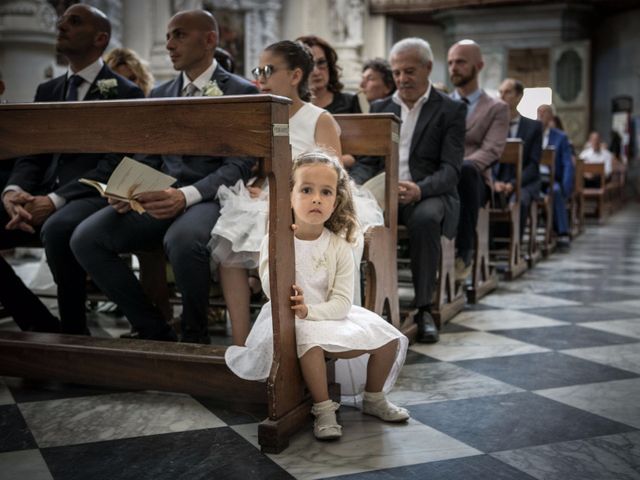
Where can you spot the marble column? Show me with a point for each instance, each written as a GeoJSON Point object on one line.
{"type": "Point", "coordinates": [347, 26]}
{"type": "Point", "coordinates": [27, 46]}
{"type": "Point", "coordinates": [159, 14]}
{"type": "Point", "coordinates": [113, 9]}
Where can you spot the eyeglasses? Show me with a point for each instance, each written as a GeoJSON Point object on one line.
{"type": "Point", "coordinates": [321, 64]}
{"type": "Point", "coordinates": [265, 72]}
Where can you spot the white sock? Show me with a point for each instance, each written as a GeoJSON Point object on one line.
{"type": "Point", "coordinates": [374, 396]}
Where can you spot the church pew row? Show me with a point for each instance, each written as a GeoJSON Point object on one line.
{"type": "Point", "coordinates": [595, 195]}
{"type": "Point", "coordinates": [575, 205]}
{"type": "Point", "coordinates": [194, 369]}
{"type": "Point", "coordinates": [544, 235]}
{"type": "Point", "coordinates": [506, 252]}
{"type": "Point", "coordinates": [484, 278]}
{"type": "Point", "coordinates": [244, 126]}
{"type": "Point", "coordinates": [378, 135]}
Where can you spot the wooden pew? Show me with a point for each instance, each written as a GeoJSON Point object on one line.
{"type": "Point", "coordinates": [515, 263]}
{"type": "Point", "coordinates": [575, 205]}
{"type": "Point", "coordinates": [544, 204]}
{"type": "Point", "coordinates": [378, 135]}
{"type": "Point", "coordinates": [449, 298]}
{"type": "Point", "coordinates": [615, 186]}
{"type": "Point", "coordinates": [483, 275]}
{"type": "Point", "coordinates": [244, 126]}
{"type": "Point", "coordinates": [595, 197]}
{"type": "Point", "coordinates": [533, 253]}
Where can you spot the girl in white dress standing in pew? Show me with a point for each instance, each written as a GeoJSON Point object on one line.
{"type": "Point", "coordinates": [284, 70]}
{"type": "Point", "coordinates": [327, 323]}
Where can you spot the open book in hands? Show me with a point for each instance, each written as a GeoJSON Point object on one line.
{"type": "Point", "coordinates": [131, 178]}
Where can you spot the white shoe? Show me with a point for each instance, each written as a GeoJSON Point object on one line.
{"type": "Point", "coordinates": [325, 426]}
{"type": "Point", "coordinates": [384, 409]}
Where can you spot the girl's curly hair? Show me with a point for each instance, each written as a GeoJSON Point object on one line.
{"type": "Point", "coordinates": [343, 220]}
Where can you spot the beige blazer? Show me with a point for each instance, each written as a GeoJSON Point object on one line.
{"type": "Point", "coordinates": [486, 134]}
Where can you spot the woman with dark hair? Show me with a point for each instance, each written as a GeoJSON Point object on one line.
{"type": "Point", "coordinates": [235, 240]}
{"type": "Point", "coordinates": [324, 80]}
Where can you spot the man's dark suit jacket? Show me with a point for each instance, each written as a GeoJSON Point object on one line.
{"type": "Point", "coordinates": [42, 174]}
{"type": "Point", "coordinates": [204, 173]}
{"type": "Point", "coordinates": [530, 131]}
{"type": "Point", "coordinates": [436, 153]}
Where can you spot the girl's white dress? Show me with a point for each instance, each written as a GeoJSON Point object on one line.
{"type": "Point", "coordinates": [236, 236]}
{"type": "Point", "coordinates": [324, 271]}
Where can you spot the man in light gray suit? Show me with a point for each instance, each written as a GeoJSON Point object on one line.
{"type": "Point", "coordinates": [430, 156]}
{"type": "Point", "coordinates": [487, 125]}
{"type": "Point", "coordinates": [182, 217]}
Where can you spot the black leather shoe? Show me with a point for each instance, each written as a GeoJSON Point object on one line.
{"type": "Point", "coordinates": [563, 243]}
{"type": "Point", "coordinates": [427, 330]}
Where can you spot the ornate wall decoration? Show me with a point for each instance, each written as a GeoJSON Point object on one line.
{"type": "Point", "coordinates": [31, 15]}
{"type": "Point", "coordinates": [261, 27]}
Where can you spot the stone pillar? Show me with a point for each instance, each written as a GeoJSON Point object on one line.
{"type": "Point", "coordinates": [160, 14]}
{"type": "Point", "coordinates": [113, 9]}
{"type": "Point", "coordinates": [138, 31]}
{"type": "Point", "coordinates": [27, 46]}
{"type": "Point", "coordinates": [347, 26]}
{"type": "Point", "coordinates": [261, 29]}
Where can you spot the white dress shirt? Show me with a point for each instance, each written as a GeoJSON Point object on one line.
{"type": "Point", "coordinates": [199, 82]}
{"type": "Point", "coordinates": [514, 123]}
{"type": "Point", "coordinates": [191, 193]}
{"type": "Point", "coordinates": [409, 118]}
{"type": "Point", "coordinates": [589, 155]}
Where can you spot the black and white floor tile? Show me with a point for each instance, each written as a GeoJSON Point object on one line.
{"type": "Point", "coordinates": [541, 380]}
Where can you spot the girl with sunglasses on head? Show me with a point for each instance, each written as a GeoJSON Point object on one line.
{"type": "Point", "coordinates": [235, 240]}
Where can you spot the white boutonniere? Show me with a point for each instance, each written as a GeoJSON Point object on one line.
{"type": "Point", "coordinates": [107, 87]}
{"type": "Point", "coordinates": [211, 89]}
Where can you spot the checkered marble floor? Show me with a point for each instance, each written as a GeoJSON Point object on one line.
{"type": "Point", "coordinates": [541, 380]}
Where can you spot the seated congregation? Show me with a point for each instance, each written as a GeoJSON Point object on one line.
{"type": "Point", "coordinates": [466, 181]}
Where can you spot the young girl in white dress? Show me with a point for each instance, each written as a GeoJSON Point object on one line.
{"type": "Point", "coordinates": [284, 70]}
{"type": "Point", "coordinates": [327, 323]}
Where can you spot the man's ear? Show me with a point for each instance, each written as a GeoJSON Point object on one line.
{"type": "Point", "coordinates": [212, 40]}
{"type": "Point", "coordinates": [101, 40]}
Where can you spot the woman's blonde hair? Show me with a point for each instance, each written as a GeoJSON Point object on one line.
{"type": "Point", "coordinates": [343, 220]}
{"type": "Point", "coordinates": [126, 56]}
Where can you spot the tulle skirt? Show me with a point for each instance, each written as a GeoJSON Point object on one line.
{"type": "Point", "coordinates": [240, 229]}
{"type": "Point", "coordinates": [360, 330]}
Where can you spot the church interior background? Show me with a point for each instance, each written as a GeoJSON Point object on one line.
{"type": "Point", "coordinates": [479, 408]}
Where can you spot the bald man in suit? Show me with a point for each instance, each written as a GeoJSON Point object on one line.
{"type": "Point", "coordinates": [487, 123]}
{"type": "Point", "coordinates": [181, 217]}
{"type": "Point", "coordinates": [43, 197]}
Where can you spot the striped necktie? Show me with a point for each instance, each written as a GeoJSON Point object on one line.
{"type": "Point", "coordinates": [191, 90]}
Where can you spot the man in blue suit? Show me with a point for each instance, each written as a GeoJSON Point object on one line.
{"type": "Point", "coordinates": [565, 173]}
{"type": "Point", "coordinates": [530, 131]}
{"type": "Point", "coordinates": [43, 195]}
{"type": "Point", "coordinates": [182, 217]}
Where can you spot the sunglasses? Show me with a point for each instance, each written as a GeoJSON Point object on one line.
{"type": "Point", "coordinates": [265, 72]}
